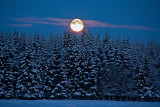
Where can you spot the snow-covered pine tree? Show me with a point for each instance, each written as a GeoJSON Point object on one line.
{"type": "Point", "coordinates": [143, 86]}
{"type": "Point", "coordinates": [125, 68]}
{"type": "Point", "coordinates": [21, 66]}
{"type": "Point", "coordinates": [53, 74]}
{"type": "Point", "coordinates": [94, 72]}
{"type": "Point", "coordinates": [70, 65]}
{"type": "Point", "coordinates": [152, 50]}
{"type": "Point", "coordinates": [89, 79]}
{"type": "Point", "coordinates": [138, 80]}
{"type": "Point", "coordinates": [2, 62]}
{"type": "Point", "coordinates": [106, 65]}
{"type": "Point", "coordinates": [30, 80]}
{"type": "Point", "coordinates": [65, 71]}
{"type": "Point", "coordinates": [39, 64]}
{"type": "Point", "coordinates": [8, 75]}
{"type": "Point", "coordinates": [15, 60]}
{"type": "Point", "coordinates": [76, 90]}
{"type": "Point", "coordinates": [157, 76]}
{"type": "Point", "coordinates": [106, 42]}
{"type": "Point", "coordinates": [149, 89]}
{"type": "Point", "coordinates": [98, 66]}
{"type": "Point", "coordinates": [26, 77]}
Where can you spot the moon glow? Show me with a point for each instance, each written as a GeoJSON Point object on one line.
{"type": "Point", "coordinates": [77, 25]}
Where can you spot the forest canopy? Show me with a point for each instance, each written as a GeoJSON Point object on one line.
{"type": "Point", "coordinates": [78, 67]}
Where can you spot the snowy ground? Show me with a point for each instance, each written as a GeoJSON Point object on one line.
{"type": "Point", "coordinates": [75, 103]}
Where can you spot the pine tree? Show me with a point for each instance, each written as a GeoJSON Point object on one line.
{"type": "Point", "coordinates": [8, 75]}
{"type": "Point", "coordinates": [15, 60]}
{"type": "Point", "coordinates": [98, 66]}
{"type": "Point", "coordinates": [24, 83]}
{"type": "Point", "coordinates": [70, 61]}
{"type": "Point", "coordinates": [157, 76]}
{"type": "Point", "coordinates": [30, 79]}
{"type": "Point", "coordinates": [143, 85]}
{"type": "Point", "coordinates": [89, 74]}
{"type": "Point", "coordinates": [52, 75]}
{"type": "Point", "coordinates": [2, 62]}
{"type": "Point", "coordinates": [125, 68]}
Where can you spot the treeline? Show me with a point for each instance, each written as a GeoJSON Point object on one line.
{"type": "Point", "coordinates": [78, 67]}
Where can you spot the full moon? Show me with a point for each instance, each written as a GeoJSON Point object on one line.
{"type": "Point", "coordinates": [77, 25]}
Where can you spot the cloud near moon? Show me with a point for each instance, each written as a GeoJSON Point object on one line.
{"type": "Point", "coordinates": [20, 25]}
{"type": "Point", "coordinates": [66, 22]}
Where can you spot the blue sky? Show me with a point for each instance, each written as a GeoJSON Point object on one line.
{"type": "Point", "coordinates": [138, 19]}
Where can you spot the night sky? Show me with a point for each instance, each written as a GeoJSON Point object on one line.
{"type": "Point", "coordinates": [138, 19]}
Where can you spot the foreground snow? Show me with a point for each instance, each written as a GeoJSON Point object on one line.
{"type": "Point", "coordinates": [75, 103]}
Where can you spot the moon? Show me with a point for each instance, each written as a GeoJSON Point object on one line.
{"type": "Point", "coordinates": [77, 25]}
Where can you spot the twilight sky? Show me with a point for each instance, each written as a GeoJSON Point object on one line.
{"type": "Point", "coordinates": [138, 19]}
